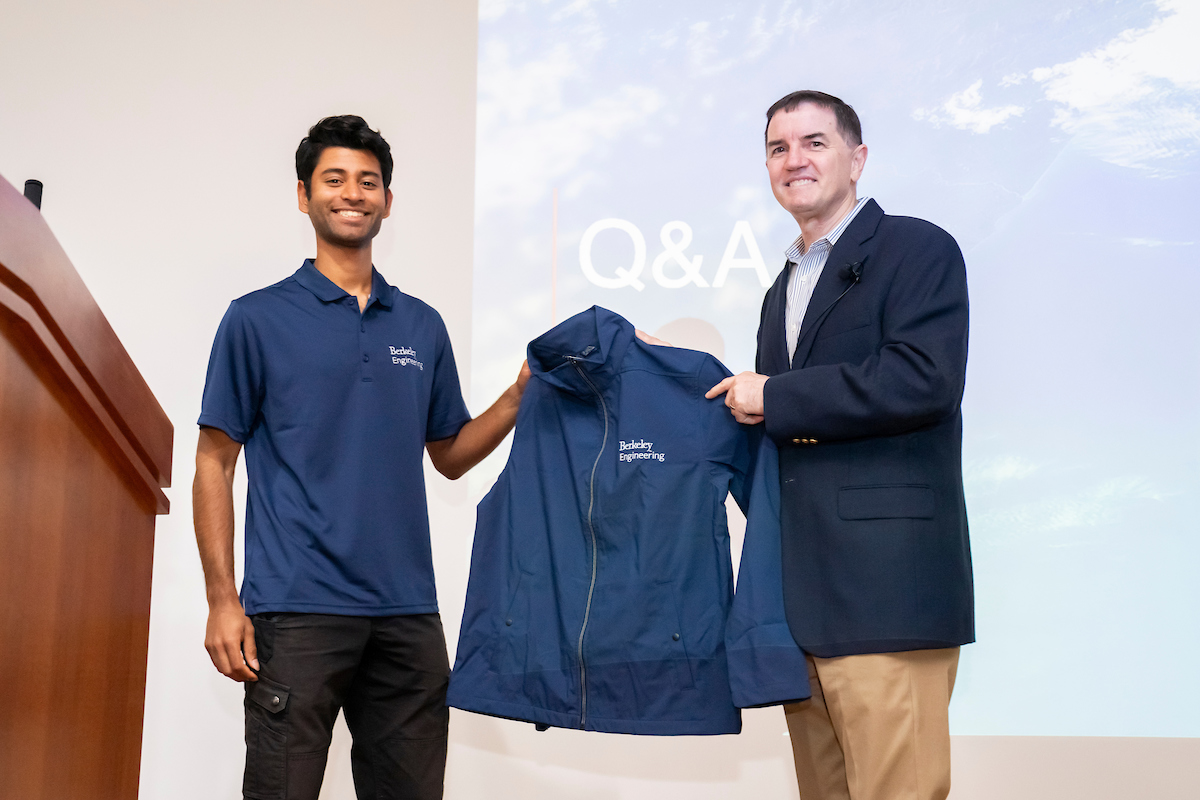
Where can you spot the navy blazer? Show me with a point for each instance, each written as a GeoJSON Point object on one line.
{"type": "Point", "coordinates": [867, 418]}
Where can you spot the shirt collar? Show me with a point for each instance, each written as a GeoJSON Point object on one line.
{"type": "Point", "coordinates": [794, 252]}
{"type": "Point", "coordinates": [327, 291]}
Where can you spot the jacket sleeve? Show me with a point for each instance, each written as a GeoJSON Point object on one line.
{"type": "Point", "coordinates": [916, 375]}
{"type": "Point", "coordinates": [727, 442]}
{"type": "Point", "coordinates": [766, 667]}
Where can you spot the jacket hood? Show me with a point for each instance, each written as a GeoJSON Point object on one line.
{"type": "Point", "coordinates": [595, 341]}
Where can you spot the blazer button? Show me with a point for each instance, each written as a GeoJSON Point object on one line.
{"type": "Point", "coordinates": [675, 637]}
{"type": "Point", "coordinates": [797, 441]}
{"type": "Point", "coordinates": [812, 441]}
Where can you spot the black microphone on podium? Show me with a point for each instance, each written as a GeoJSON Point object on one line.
{"type": "Point", "coordinates": [33, 193]}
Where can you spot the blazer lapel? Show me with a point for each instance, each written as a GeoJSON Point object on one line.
{"type": "Point", "coordinates": [774, 345]}
{"type": "Point", "coordinates": [850, 248]}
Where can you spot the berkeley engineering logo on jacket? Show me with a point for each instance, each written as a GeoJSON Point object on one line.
{"type": "Point", "coordinates": [601, 580]}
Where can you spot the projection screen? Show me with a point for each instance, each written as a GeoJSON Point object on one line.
{"type": "Point", "coordinates": [620, 162]}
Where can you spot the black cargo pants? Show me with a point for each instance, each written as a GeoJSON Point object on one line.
{"type": "Point", "coordinates": [389, 675]}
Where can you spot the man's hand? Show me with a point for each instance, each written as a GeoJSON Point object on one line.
{"type": "Point", "coordinates": [522, 378]}
{"type": "Point", "coordinates": [229, 641]}
{"type": "Point", "coordinates": [743, 396]}
{"type": "Point", "coordinates": [648, 339]}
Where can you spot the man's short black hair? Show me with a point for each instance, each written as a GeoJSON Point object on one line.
{"type": "Point", "coordinates": [345, 131]}
{"type": "Point", "coordinates": [847, 121]}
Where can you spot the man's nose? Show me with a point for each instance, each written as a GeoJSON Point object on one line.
{"type": "Point", "coordinates": [796, 157]}
{"type": "Point", "coordinates": [351, 190]}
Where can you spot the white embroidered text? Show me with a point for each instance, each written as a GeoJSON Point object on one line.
{"type": "Point", "coordinates": [639, 450]}
{"type": "Point", "coordinates": [405, 356]}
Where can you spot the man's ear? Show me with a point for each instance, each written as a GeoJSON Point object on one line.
{"type": "Point", "coordinates": [302, 196]}
{"type": "Point", "coordinates": [387, 206]}
{"type": "Point", "coordinates": [858, 160]}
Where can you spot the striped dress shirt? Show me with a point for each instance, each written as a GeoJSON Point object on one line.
{"type": "Point", "coordinates": [806, 267]}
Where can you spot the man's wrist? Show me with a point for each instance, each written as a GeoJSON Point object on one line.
{"type": "Point", "coordinates": [223, 598]}
{"type": "Point", "coordinates": [512, 395]}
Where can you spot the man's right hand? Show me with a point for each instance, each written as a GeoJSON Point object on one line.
{"type": "Point", "coordinates": [230, 634]}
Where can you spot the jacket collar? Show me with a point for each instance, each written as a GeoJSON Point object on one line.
{"type": "Point", "coordinates": [327, 291]}
{"type": "Point", "coordinates": [583, 354]}
{"type": "Point", "coordinates": [850, 248]}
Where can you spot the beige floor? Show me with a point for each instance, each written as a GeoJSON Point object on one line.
{"type": "Point", "coordinates": [1070, 768]}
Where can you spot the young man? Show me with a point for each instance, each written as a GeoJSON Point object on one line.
{"type": "Point", "coordinates": [862, 353]}
{"type": "Point", "coordinates": [335, 382]}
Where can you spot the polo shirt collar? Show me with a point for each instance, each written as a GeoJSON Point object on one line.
{"type": "Point", "coordinates": [327, 291]}
{"type": "Point", "coordinates": [381, 290]}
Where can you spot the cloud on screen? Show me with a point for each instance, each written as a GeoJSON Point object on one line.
{"type": "Point", "coordinates": [965, 110]}
{"type": "Point", "coordinates": [1135, 100]}
{"type": "Point", "coordinates": [530, 138]}
{"type": "Point", "coordinates": [1101, 503]}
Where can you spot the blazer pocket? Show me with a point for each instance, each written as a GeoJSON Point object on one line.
{"type": "Point", "coordinates": [888, 501]}
{"type": "Point", "coordinates": [836, 326]}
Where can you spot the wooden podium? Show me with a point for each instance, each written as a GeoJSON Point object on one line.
{"type": "Point", "coordinates": [85, 450]}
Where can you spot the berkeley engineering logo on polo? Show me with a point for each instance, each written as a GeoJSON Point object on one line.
{"type": "Point", "coordinates": [639, 450]}
{"type": "Point", "coordinates": [405, 357]}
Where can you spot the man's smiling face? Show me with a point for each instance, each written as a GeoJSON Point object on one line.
{"type": "Point", "coordinates": [813, 169]}
{"type": "Point", "coordinates": [348, 202]}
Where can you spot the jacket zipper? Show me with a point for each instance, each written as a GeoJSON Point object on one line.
{"type": "Point", "coordinates": [587, 612]}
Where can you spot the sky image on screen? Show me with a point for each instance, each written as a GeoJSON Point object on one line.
{"type": "Point", "coordinates": [620, 162]}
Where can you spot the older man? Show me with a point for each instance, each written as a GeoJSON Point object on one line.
{"type": "Point", "coordinates": [862, 350]}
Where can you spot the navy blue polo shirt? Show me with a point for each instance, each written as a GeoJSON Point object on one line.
{"type": "Point", "coordinates": [334, 408]}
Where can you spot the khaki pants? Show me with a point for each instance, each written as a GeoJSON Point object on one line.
{"type": "Point", "coordinates": [876, 727]}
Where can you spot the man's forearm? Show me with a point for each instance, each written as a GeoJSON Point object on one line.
{"type": "Point", "coordinates": [212, 513]}
{"type": "Point", "coordinates": [454, 456]}
{"type": "Point", "coordinates": [229, 637]}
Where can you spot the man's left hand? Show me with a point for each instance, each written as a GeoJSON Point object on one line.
{"type": "Point", "coordinates": [648, 339]}
{"type": "Point", "coordinates": [743, 396]}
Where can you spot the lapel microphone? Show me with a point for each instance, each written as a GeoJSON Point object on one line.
{"type": "Point", "coordinates": [851, 272]}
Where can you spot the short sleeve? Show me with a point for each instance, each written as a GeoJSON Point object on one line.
{"type": "Point", "coordinates": [233, 387]}
{"type": "Point", "coordinates": [447, 411]}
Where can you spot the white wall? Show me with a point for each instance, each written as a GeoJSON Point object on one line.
{"type": "Point", "coordinates": [165, 136]}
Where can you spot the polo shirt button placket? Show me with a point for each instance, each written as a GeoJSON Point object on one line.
{"type": "Point", "coordinates": [364, 346]}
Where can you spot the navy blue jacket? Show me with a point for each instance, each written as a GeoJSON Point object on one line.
{"type": "Point", "coordinates": [868, 422]}
{"type": "Point", "coordinates": [766, 667]}
{"type": "Point", "coordinates": [601, 578]}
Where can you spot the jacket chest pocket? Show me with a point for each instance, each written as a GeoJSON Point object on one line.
{"type": "Point", "coordinates": [894, 501]}
{"type": "Point", "coordinates": [849, 340]}
{"type": "Point", "coordinates": [838, 325]}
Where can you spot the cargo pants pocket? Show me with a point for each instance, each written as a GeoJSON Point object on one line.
{"type": "Point", "coordinates": [266, 740]}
